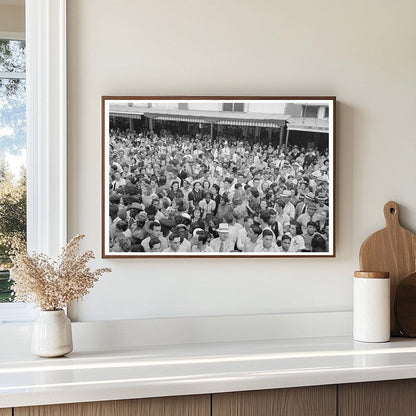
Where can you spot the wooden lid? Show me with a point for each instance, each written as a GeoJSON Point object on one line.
{"type": "Point", "coordinates": [372, 275]}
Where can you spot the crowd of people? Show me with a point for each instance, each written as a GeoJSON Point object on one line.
{"type": "Point", "coordinates": [171, 193]}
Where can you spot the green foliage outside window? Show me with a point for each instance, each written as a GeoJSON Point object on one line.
{"type": "Point", "coordinates": [12, 148]}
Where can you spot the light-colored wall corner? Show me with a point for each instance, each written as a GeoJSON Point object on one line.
{"type": "Point", "coordinates": [12, 18]}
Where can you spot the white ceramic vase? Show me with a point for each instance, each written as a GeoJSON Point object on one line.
{"type": "Point", "coordinates": [52, 334]}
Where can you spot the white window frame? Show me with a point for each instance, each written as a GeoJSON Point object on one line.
{"type": "Point", "coordinates": [46, 134]}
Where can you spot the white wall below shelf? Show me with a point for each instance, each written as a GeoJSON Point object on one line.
{"type": "Point", "coordinates": [189, 330]}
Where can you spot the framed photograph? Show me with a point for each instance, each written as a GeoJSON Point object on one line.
{"type": "Point", "coordinates": [218, 177]}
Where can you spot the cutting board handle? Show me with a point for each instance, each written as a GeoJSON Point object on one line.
{"type": "Point", "coordinates": [391, 214]}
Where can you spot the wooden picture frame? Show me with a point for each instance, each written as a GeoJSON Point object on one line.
{"type": "Point", "coordinates": [213, 175]}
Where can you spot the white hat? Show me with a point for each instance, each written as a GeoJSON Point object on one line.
{"type": "Point", "coordinates": [286, 193]}
{"type": "Point", "coordinates": [223, 228]}
{"type": "Point", "coordinates": [196, 231]}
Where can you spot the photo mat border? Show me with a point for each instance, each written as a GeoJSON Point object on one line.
{"type": "Point", "coordinates": [104, 176]}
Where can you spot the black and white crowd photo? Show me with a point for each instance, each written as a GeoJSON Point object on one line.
{"type": "Point", "coordinates": [218, 177]}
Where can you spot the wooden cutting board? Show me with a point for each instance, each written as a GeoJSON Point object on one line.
{"type": "Point", "coordinates": [392, 250]}
{"type": "Point", "coordinates": [405, 306]}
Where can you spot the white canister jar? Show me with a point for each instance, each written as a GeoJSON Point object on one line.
{"type": "Point", "coordinates": [371, 310]}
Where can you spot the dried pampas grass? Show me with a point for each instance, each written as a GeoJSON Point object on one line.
{"type": "Point", "coordinates": [53, 285]}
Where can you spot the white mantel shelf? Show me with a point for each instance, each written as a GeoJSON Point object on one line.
{"type": "Point", "coordinates": [168, 370]}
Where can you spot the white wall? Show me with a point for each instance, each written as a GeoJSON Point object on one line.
{"type": "Point", "coordinates": [205, 106]}
{"type": "Point", "coordinates": [267, 108]}
{"type": "Point", "coordinates": [360, 51]}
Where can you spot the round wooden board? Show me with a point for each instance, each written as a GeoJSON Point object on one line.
{"type": "Point", "coordinates": [392, 250]}
{"type": "Point", "coordinates": [405, 306]}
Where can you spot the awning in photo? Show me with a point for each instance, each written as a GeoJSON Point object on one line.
{"type": "Point", "coordinates": [126, 114]}
{"type": "Point", "coordinates": [180, 118]}
{"type": "Point", "coordinates": [248, 123]}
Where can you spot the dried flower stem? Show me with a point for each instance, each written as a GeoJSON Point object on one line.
{"type": "Point", "coordinates": [54, 285]}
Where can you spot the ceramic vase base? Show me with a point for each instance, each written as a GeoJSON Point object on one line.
{"type": "Point", "coordinates": [52, 335]}
{"type": "Point", "coordinates": [56, 351]}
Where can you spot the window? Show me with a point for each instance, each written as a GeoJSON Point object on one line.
{"type": "Point", "coordinates": [310, 111]}
{"type": "Point", "coordinates": [13, 155]}
{"type": "Point", "coordinates": [182, 106]}
{"type": "Point", "coordinates": [46, 136]}
{"type": "Point", "coordinates": [233, 107]}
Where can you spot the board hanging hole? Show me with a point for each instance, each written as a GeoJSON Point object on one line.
{"type": "Point", "coordinates": [392, 211]}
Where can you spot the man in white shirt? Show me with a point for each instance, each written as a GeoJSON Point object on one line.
{"type": "Point", "coordinates": [207, 205]}
{"type": "Point", "coordinates": [289, 208]}
{"type": "Point", "coordinates": [155, 231]}
{"type": "Point", "coordinates": [117, 182]}
{"type": "Point", "coordinates": [250, 241]}
{"type": "Point", "coordinates": [185, 245]}
{"type": "Point", "coordinates": [222, 244]}
{"type": "Point", "coordinates": [174, 243]}
{"type": "Point", "coordinates": [267, 245]}
{"type": "Point", "coordinates": [225, 151]}
{"type": "Point", "coordinates": [308, 216]}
